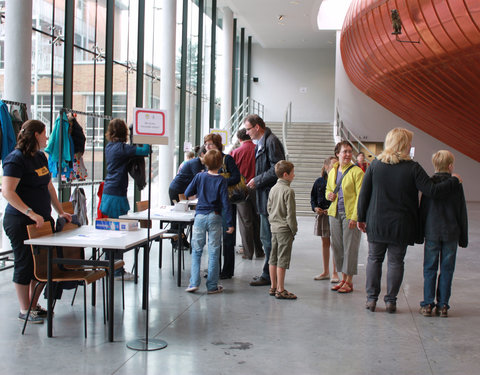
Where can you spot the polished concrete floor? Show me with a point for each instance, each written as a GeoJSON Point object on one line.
{"type": "Point", "coordinates": [244, 331]}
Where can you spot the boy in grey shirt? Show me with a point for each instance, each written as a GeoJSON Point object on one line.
{"type": "Point", "coordinates": [283, 224]}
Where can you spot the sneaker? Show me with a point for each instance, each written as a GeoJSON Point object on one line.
{"type": "Point", "coordinates": [216, 291]}
{"type": "Point", "coordinates": [442, 311]}
{"type": "Point", "coordinates": [127, 276]}
{"type": "Point", "coordinates": [426, 310]}
{"type": "Point", "coordinates": [259, 281]}
{"type": "Point", "coordinates": [33, 318]}
{"type": "Point", "coordinates": [191, 289]}
{"type": "Point", "coordinates": [41, 312]}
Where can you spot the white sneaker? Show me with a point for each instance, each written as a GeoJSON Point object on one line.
{"type": "Point", "coordinates": [191, 289]}
{"type": "Point", "coordinates": [127, 276]}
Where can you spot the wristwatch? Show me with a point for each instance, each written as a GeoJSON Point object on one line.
{"type": "Point", "coordinates": [28, 211]}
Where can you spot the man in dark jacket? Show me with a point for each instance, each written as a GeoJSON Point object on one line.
{"type": "Point", "coordinates": [268, 152]}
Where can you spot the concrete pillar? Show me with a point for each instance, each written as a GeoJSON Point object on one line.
{"type": "Point", "coordinates": [225, 112]}
{"type": "Point", "coordinates": [18, 51]}
{"type": "Point", "coordinates": [18, 64]}
{"type": "Point", "coordinates": [167, 96]}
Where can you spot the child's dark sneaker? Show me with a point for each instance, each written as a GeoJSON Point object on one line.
{"type": "Point", "coordinates": [442, 311]}
{"type": "Point", "coordinates": [426, 310]}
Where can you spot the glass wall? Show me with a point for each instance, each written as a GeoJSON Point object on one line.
{"type": "Point", "coordinates": [88, 82]}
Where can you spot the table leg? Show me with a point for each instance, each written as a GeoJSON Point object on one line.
{"type": "Point", "coordinates": [94, 284]}
{"type": "Point", "coordinates": [180, 249]}
{"type": "Point", "coordinates": [146, 254]}
{"type": "Point", "coordinates": [50, 293]}
{"type": "Point", "coordinates": [111, 283]}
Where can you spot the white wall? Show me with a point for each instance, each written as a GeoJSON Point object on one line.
{"type": "Point", "coordinates": [282, 73]}
{"type": "Point", "coordinates": [366, 118]}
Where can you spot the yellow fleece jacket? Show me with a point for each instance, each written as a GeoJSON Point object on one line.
{"type": "Point", "coordinates": [351, 185]}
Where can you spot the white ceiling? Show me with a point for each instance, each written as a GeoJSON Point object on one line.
{"type": "Point", "coordinates": [298, 29]}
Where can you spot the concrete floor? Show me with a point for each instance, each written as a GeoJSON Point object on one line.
{"type": "Point", "coordinates": [244, 331]}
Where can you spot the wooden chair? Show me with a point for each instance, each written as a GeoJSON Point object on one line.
{"type": "Point", "coordinates": [142, 206]}
{"type": "Point", "coordinates": [79, 253]}
{"type": "Point", "coordinates": [40, 260]}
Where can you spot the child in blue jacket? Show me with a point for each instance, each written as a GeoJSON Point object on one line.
{"type": "Point", "coordinates": [211, 191]}
{"type": "Point", "coordinates": [445, 227]}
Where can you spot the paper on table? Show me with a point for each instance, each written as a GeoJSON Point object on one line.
{"type": "Point", "coordinates": [99, 236]}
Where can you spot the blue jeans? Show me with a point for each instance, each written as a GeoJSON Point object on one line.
{"type": "Point", "coordinates": [266, 238]}
{"type": "Point", "coordinates": [211, 223]}
{"type": "Point", "coordinates": [446, 252]}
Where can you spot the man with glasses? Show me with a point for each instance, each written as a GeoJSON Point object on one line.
{"type": "Point", "coordinates": [268, 152]}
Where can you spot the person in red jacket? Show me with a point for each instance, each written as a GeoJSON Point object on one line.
{"type": "Point", "coordinates": [248, 218]}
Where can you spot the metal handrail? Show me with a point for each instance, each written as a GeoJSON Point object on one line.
{"type": "Point", "coordinates": [287, 122]}
{"type": "Point", "coordinates": [248, 106]}
{"type": "Point", "coordinates": [345, 133]}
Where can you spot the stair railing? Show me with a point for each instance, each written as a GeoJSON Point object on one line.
{"type": "Point", "coordinates": [247, 107]}
{"type": "Point", "coordinates": [287, 123]}
{"type": "Point", "coordinates": [346, 134]}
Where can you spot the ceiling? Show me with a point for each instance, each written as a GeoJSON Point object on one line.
{"type": "Point", "coordinates": [297, 29]}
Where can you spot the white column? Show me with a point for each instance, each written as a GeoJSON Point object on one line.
{"type": "Point", "coordinates": [18, 51]}
{"type": "Point", "coordinates": [18, 64]}
{"type": "Point", "coordinates": [225, 112]}
{"type": "Point", "coordinates": [168, 26]}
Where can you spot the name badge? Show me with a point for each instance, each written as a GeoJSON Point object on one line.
{"type": "Point", "coordinates": [42, 171]}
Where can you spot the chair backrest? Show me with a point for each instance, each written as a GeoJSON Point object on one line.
{"type": "Point", "coordinates": [40, 257]}
{"type": "Point", "coordinates": [72, 252]}
{"type": "Point", "coordinates": [68, 207]}
{"type": "Point", "coordinates": [142, 206]}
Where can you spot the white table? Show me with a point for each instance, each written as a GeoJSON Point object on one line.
{"type": "Point", "coordinates": [88, 236]}
{"type": "Point", "coordinates": [166, 214]}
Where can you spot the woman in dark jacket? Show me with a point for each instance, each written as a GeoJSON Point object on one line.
{"type": "Point", "coordinates": [213, 141]}
{"type": "Point", "coordinates": [388, 212]}
{"type": "Point", "coordinates": [320, 206]}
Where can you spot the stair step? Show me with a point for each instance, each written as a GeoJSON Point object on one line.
{"type": "Point", "coordinates": [309, 144]}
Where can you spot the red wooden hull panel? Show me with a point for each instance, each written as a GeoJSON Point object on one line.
{"type": "Point", "coordinates": [435, 84]}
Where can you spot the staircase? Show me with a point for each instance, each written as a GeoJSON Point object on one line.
{"type": "Point", "coordinates": [309, 144]}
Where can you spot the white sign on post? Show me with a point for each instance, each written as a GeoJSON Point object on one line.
{"type": "Point", "coordinates": [223, 133]}
{"type": "Point", "coordinates": [149, 126]}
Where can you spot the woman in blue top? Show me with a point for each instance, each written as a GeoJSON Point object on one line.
{"type": "Point", "coordinates": [28, 188]}
{"type": "Point", "coordinates": [117, 154]}
{"type": "Point", "coordinates": [213, 141]}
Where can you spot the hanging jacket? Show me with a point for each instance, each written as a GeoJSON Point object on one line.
{"type": "Point", "coordinates": [100, 215]}
{"type": "Point", "coordinates": [136, 169]}
{"type": "Point", "coordinates": [78, 137]}
{"type": "Point", "coordinates": [8, 136]}
{"type": "Point", "coordinates": [79, 201]}
{"type": "Point", "coordinates": [53, 147]}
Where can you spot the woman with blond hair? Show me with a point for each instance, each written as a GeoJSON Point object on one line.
{"type": "Point", "coordinates": [388, 212]}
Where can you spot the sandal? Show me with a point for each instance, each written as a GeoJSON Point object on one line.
{"type": "Point", "coordinates": [284, 294]}
{"type": "Point", "coordinates": [338, 286]}
{"type": "Point", "coordinates": [346, 288]}
{"type": "Point", "coordinates": [272, 291]}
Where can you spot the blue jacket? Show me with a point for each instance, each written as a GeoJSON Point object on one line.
{"type": "Point", "coordinates": [53, 147]}
{"type": "Point", "coordinates": [8, 135]}
{"type": "Point", "coordinates": [212, 194]}
{"type": "Point", "coordinates": [317, 195]}
{"type": "Point", "coordinates": [445, 219]}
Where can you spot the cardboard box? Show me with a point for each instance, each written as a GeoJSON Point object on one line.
{"type": "Point", "coordinates": [116, 224]}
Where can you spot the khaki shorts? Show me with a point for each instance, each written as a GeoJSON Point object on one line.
{"type": "Point", "coordinates": [281, 249]}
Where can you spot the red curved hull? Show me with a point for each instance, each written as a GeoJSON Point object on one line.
{"type": "Point", "coordinates": [435, 84]}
